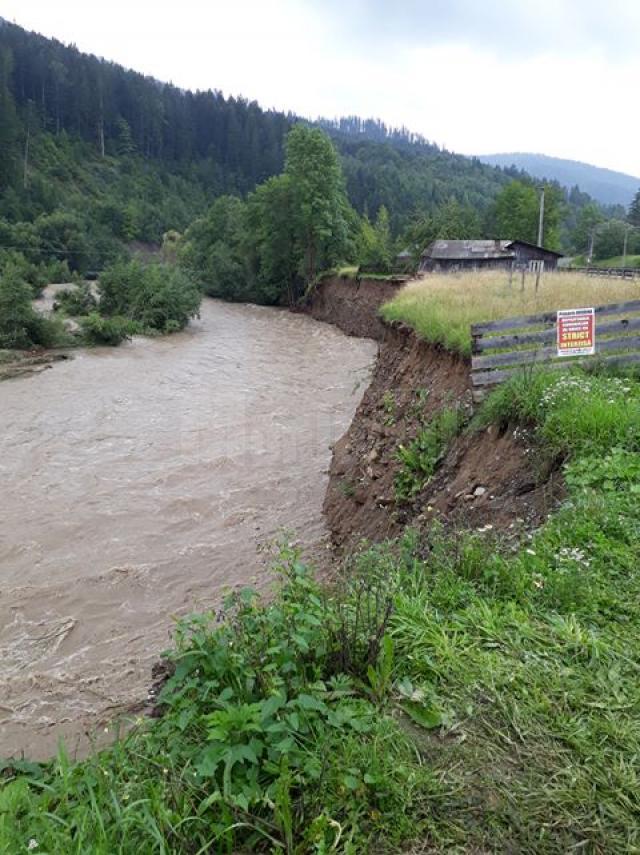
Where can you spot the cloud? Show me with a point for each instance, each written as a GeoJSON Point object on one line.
{"type": "Point", "coordinates": [510, 27]}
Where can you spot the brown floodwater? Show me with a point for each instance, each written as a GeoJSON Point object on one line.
{"type": "Point", "coordinates": [137, 484]}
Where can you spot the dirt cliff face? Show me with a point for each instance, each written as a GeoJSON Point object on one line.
{"type": "Point", "coordinates": [485, 479]}
{"type": "Point", "coordinates": [352, 304]}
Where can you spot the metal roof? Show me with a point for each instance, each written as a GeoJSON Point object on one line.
{"type": "Point", "coordinates": [535, 246]}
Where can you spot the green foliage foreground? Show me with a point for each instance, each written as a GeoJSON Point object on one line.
{"type": "Point", "coordinates": [21, 327]}
{"type": "Point", "coordinates": [462, 691]}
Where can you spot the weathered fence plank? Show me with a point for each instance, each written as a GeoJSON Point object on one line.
{"type": "Point", "coordinates": [546, 354]}
{"type": "Point", "coordinates": [549, 318]}
{"type": "Point", "coordinates": [605, 272]}
{"type": "Point", "coordinates": [493, 378]}
{"type": "Point", "coordinates": [498, 357]}
{"type": "Point", "coordinates": [499, 342]}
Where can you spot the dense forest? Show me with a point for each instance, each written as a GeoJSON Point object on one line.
{"type": "Point", "coordinates": [95, 158]}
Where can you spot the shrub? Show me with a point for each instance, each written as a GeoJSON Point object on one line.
{"type": "Point", "coordinates": [37, 274]}
{"type": "Point", "coordinates": [20, 326]}
{"type": "Point", "coordinates": [110, 331]}
{"type": "Point", "coordinates": [78, 300]}
{"type": "Point", "coordinates": [158, 297]}
{"type": "Point", "coordinates": [263, 745]}
{"type": "Point", "coordinates": [16, 312]}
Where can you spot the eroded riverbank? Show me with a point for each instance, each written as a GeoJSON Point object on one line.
{"type": "Point", "coordinates": [137, 484]}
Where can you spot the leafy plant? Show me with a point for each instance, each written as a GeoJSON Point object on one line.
{"type": "Point", "coordinates": [107, 331]}
{"type": "Point", "coordinates": [157, 297]}
{"type": "Point", "coordinates": [380, 676]}
{"type": "Point", "coordinates": [421, 457]}
{"type": "Point", "coordinates": [21, 327]}
{"type": "Point", "coordinates": [389, 406]}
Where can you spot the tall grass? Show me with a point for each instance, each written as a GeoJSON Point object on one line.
{"type": "Point", "coordinates": [442, 307]}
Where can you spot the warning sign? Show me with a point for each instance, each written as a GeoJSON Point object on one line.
{"type": "Point", "coordinates": [576, 332]}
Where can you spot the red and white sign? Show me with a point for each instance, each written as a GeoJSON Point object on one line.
{"type": "Point", "coordinates": [576, 332]}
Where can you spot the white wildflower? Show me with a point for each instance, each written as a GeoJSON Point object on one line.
{"type": "Point", "coordinates": [33, 844]}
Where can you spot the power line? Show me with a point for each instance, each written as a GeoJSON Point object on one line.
{"type": "Point", "coordinates": [48, 251]}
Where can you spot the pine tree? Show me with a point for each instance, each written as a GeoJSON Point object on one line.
{"type": "Point", "coordinates": [9, 125]}
{"type": "Point", "coordinates": [634, 211]}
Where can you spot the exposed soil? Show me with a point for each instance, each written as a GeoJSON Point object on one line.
{"type": "Point", "coordinates": [352, 304]}
{"type": "Point", "coordinates": [486, 478]}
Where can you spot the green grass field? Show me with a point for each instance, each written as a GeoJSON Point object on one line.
{"type": "Point", "coordinates": [614, 261]}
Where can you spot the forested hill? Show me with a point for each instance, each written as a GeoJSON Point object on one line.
{"type": "Point", "coordinates": [114, 156]}
{"type": "Point", "coordinates": [58, 89]}
{"type": "Point", "coordinates": [406, 173]}
{"type": "Point", "coordinates": [222, 144]}
{"type": "Point", "coordinates": [605, 185]}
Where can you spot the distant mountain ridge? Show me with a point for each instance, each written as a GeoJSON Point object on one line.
{"type": "Point", "coordinates": [605, 185]}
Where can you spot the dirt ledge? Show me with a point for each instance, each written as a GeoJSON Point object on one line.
{"type": "Point", "coordinates": [486, 478]}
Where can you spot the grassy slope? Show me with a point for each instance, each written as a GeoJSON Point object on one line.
{"type": "Point", "coordinates": [614, 261]}
{"type": "Point", "coordinates": [441, 307]}
{"type": "Point", "coordinates": [617, 261]}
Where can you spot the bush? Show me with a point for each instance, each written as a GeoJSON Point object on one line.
{"type": "Point", "coordinates": [77, 301]}
{"type": "Point", "coordinates": [157, 297]}
{"type": "Point", "coordinates": [20, 326]}
{"type": "Point", "coordinates": [16, 312]}
{"type": "Point", "coordinates": [110, 331]}
{"type": "Point", "coordinates": [37, 274]}
{"type": "Point", "coordinates": [263, 745]}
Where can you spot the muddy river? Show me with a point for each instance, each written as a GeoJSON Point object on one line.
{"type": "Point", "coordinates": [137, 484]}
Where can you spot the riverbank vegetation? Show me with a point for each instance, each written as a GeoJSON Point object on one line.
{"type": "Point", "coordinates": [441, 307]}
{"type": "Point", "coordinates": [462, 691]}
{"type": "Point", "coordinates": [21, 327]}
{"type": "Point", "coordinates": [130, 298]}
{"type": "Point", "coordinates": [271, 247]}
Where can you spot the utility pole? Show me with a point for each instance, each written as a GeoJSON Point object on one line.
{"type": "Point", "coordinates": [591, 243]}
{"type": "Point", "coordinates": [624, 249]}
{"type": "Point", "coordinates": [541, 221]}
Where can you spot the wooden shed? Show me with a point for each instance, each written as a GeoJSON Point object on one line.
{"type": "Point", "coordinates": [452, 255]}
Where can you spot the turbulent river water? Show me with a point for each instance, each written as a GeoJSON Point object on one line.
{"type": "Point", "coordinates": [137, 484]}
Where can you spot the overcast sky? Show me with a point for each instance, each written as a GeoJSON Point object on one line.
{"type": "Point", "coordinates": [560, 77]}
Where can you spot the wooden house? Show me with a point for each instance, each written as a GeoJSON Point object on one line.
{"type": "Point", "coordinates": [453, 255]}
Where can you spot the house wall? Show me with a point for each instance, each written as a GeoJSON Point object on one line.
{"type": "Point", "coordinates": [525, 254]}
{"type": "Point", "coordinates": [451, 265]}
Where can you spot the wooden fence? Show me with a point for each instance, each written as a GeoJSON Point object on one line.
{"type": "Point", "coordinates": [501, 348]}
{"type": "Point", "coordinates": [609, 272]}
